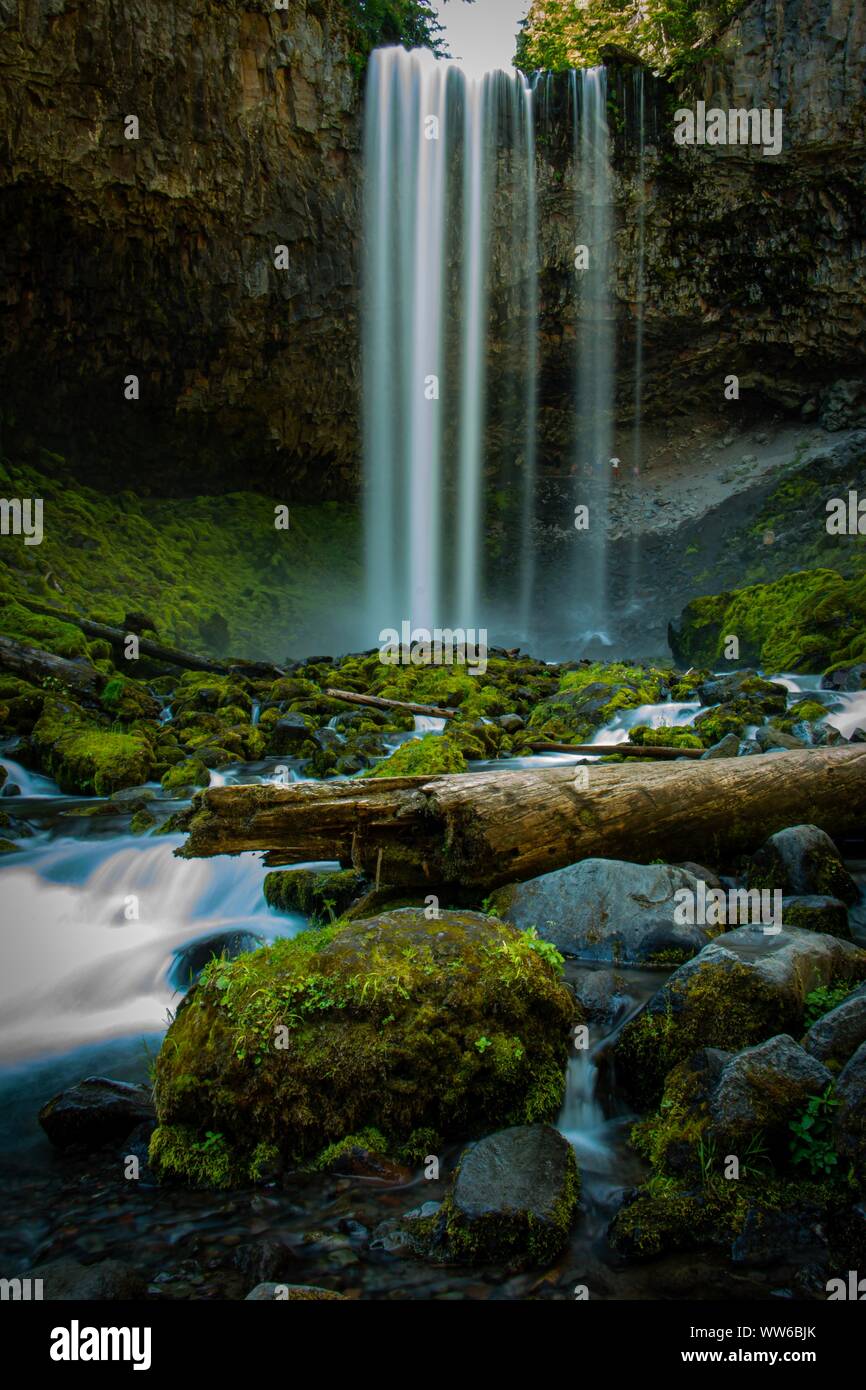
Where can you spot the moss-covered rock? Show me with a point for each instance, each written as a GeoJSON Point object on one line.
{"type": "Point", "coordinates": [322, 896]}
{"type": "Point", "coordinates": [127, 699]}
{"type": "Point", "coordinates": [395, 1023]}
{"type": "Point", "coordinates": [802, 860]}
{"type": "Point", "coordinates": [192, 772]}
{"type": "Point", "coordinates": [432, 755]}
{"type": "Point", "coordinates": [744, 987]}
{"type": "Point", "coordinates": [667, 736]}
{"type": "Point", "coordinates": [82, 756]}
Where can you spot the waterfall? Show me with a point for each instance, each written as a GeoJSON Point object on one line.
{"type": "Point", "coordinates": [639, 99]}
{"type": "Point", "coordinates": [595, 343]}
{"type": "Point", "coordinates": [434, 142]}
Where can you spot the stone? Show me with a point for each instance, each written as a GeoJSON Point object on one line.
{"type": "Point", "coordinates": [849, 1126]}
{"type": "Point", "coordinates": [289, 733]}
{"type": "Point", "coordinates": [813, 912]}
{"type": "Point", "coordinates": [291, 1293]}
{"type": "Point", "coordinates": [514, 1198]}
{"type": "Point", "coordinates": [836, 1036]}
{"type": "Point", "coordinates": [96, 1111]}
{"type": "Point", "coordinates": [780, 1237]}
{"type": "Point", "coordinates": [769, 739]}
{"type": "Point", "coordinates": [727, 747]}
{"type": "Point", "coordinates": [761, 1089]}
{"type": "Point", "coordinates": [802, 861]}
{"type": "Point", "coordinates": [68, 1280]}
{"type": "Point", "coordinates": [606, 910]}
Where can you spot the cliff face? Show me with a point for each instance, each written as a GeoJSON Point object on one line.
{"type": "Point", "coordinates": [156, 256]}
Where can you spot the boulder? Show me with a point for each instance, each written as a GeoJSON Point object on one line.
{"type": "Point", "coordinates": [69, 1281]}
{"type": "Point", "coordinates": [769, 739]}
{"type": "Point", "coordinates": [802, 861]}
{"type": "Point", "coordinates": [727, 747]}
{"type": "Point", "coordinates": [289, 733]}
{"type": "Point", "coordinates": [849, 1127]}
{"type": "Point", "coordinates": [418, 1029]}
{"type": "Point", "coordinates": [836, 1036]}
{"type": "Point", "coordinates": [769, 1238]}
{"type": "Point", "coordinates": [760, 1090]}
{"type": "Point", "coordinates": [316, 893]}
{"type": "Point", "coordinates": [745, 689]}
{"type": "Point", "coordinates": [514, 1198]}
{"type": "Point", "coordinates": [96, 1111]}
{"type": "Point", "coordinates": [846, 678]}
{"type": "Point", "coordinates": [607, 909]}
{"type": "Point", "coordinates": [746, 986]}
{"type": "Point", "coordinates": [813, 912]}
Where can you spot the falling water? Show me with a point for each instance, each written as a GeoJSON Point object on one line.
{"type": "Point", "coordinates": [639, 99]}
{"type": "Point", "coordinates": [433, 145]}
{"type": "Point", "coordinates": [530, 319]}
{"type": "Point", "coordinates": [595, 340]}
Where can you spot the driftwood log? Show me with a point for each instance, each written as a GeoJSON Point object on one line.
{"type": "Point", "coordinates": [155, 651]}
{"type": "Point", "coordinates": [480, 830]}
{"type": "Point", "coordinates": [379, 702]}
{"type": "Point", "coordinates": [32, 664]}
{"type": "Point", "coordinates": [629, 750]}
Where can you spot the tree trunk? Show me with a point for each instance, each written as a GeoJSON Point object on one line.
{"type": "Point", "coordinates": [31, 664]}
{"type": "Point", "coordinates": [155, 651]}
{"type": "Point", "coordinates": [378, 702]}
{"type": "Point", "coordinates": [476, 831]}
{"type": "Point", "coordinates": [629, 750]}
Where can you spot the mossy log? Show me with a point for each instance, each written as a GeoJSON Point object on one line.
{"type": "Point", "coordinates": [378, 702]}
{"type": "Point", "coordinates": [482, 830]}
{"type": "Point", "coordinates": [628, 750]}
{"type": "Point", "coordinates": [155, 651]}
{"type": "Point", "coordinates": [34, 665]}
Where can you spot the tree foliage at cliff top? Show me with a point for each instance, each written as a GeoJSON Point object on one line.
{"type": "Point", "coordinates": [671, 35]}
{"type": "Point", "coordinates": [412, 22]}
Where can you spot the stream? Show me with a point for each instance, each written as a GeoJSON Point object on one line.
{"type": "Point", "coordinates": [103, 932]}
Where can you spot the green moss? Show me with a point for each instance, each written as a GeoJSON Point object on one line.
{"type": "Point", "coordinates": [664, 737]}
{"type": "Point", "coordinates": [36, 630]}
{"type": "Point", "coordinates": [189, 773]}
{"type": "Point", "coordinates": [367, 1024]}
{"type": "Point", "coordinates": [429, 756]}
{"type": "Point", "coordinates": [513, 1238]}
{"type": "Point", "coordinates": [83, 757]}
{"type": "Point", "coordinates": [369, 1139]}
{"type": "Point", "coordinates": [321, 896]}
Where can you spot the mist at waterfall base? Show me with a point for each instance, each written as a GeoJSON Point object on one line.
{"type": "Point", "coordinates": [455, 489]}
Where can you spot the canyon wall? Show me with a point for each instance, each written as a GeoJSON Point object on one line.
{"type": "Point", "coordinates": [156, 256]}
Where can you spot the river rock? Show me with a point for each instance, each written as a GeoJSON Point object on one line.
{"type": "Point", "coordinates": [727, 747]}
{"type": "Point", "coordinates": [836, 1035]}
{"type": "Point", "coordinates": [744, 688]}
{"type": "Point", "coordinates": [744, 987]}
{"type": "Point", "coordinates": [69, 1281]}
{"type": "Point", "coordinates": [802, 861]}
{"type": "Point", "coordinates": [514, 1198]}
{"type": "Point", "coordinates": [393, 1023]}
{"type": "Point", "coordinates": [846, 678]}
{"type": "Point", "coordinates": [761, 1089]}
{"type": "Point", "coordinates": [816, 913]}
{"type": "Point", "coordinates": [291, 1293]}
{"type": "Point", "coordinates": [849, 1126]}
{"type": "Point", "coordinates": [96, 1111]}
{"type": "Point", "coordinates": [767, 1238]}
{"type": "Point", "coordinates": [606, 909]}
{"type": "Point", "coordinates": [769, 739]}
{"type": "Point", "coordinates": [192, 959]}
{"type": "Point", "coordinates": [289, 733]}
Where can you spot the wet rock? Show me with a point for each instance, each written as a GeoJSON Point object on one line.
{"type": "Point", "coordinates": [836, 1036]}
{"type": "Point", "coordinates": [769, 739]}
{"type": "Point", "coordinates": [780, 1237]}
{"type": "Point", "coordinates": [94, 1112]}
{"type": "Point", "coordinates": [849, 1127]}
{"type": "Point", "coordinates": [606, 909]}
{"type": "Point", "coordinates": [746, 986]}
{"type": "Point", "coordinates": [265, 1260]}
{"type": "Point", "coordinates": [744, 688]}
{"type": "Point", "coordinates": [70, 1281]}
{"type": "Point", "coordinates": [514, 1198]}
{"type": "Point", "coordinates": [647, 1226]}
{"type": "Point", "coordinates": [288, 734]}
{"type": "Point", "coordinates": [727, 747]}
{"type": "Point", "coordinates": [761, 1089]}
{"type": "Point", "coordinates": [703, 874]}
{"type": "Point", "coordinates": [192, 959]}
{"type": "Point", "coordinates": [815, 913]}
{"type": "Point", "coordinates": [600, 993]}
{"type": "Point", "coordinates": [802, 861]}
{"type": "Point", "coordinates": [322, 895]}
{"type": "Point", "coordinates": [291, 1293]}
{"type": "Point", "coordinates": [846, 678]}
{"type": "Point", "coordinates": [511, 723]}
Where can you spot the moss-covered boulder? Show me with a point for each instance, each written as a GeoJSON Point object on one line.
{"type": "Point", "coordinates": [192, 772]}
{"type": "Point", "coordinates": [746, 986]}
{"type": "Point", "coordinates": [513, 1200]}
{"type": "Point", "coordinates": [808, 621]}
{"type": "Point", "coordinates": [321, 895]}
{"type": "Point", "coordinates": [445, 1027]}
{"type": "Point", "coordinates": [813, 912]}
{"type": "Point", "coordinates": [802, 860]}
{"type": "Point", "coordinates": [432, 755]}
{"type": "Point", "coordinates": [127, 700]}
{"type": "Point", "coordinates": [666, 736]}
{"type": "Point", "coordinates": [85, 757]}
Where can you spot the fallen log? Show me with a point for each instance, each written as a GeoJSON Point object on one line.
{"type": "Point", "coordinates": [155, 651]}
{"type": "Point", "coordinates": [474, 831]}
{"type": "Point", "coordinates": [630, 750]}
{"type": "Point", "coordinates": [34, 665]}
{"type": "Point", "coordinates": [378, 702]}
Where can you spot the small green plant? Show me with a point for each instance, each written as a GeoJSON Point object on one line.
{"type": "Point", "coordinates": [482, 1044]}
{"type": "Point", "coordinates": [826, 997]}
{"type": "Point", "coordinates": [812, 1144]}
{"type": "Point", "coordinates": [545, 949]}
